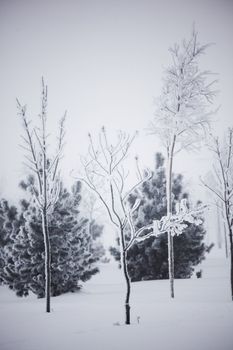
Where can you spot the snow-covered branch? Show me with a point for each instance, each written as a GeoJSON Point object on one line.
{"type": "Point", "coordinates": [183, 107]}
{"type": "Point", "coordinates": [38, 161]}
{"type": "Point", "coordinates": [174, 223]}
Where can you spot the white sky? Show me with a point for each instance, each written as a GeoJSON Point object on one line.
{"type": "Point", "coordinates": [103, 62]}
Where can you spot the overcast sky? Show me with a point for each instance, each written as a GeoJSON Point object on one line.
{"type": "Point", "coordinates": [103, 61]}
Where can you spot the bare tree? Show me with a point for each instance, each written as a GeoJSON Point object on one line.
{"type": "Point", "coordinates": [182, 114]}
{"type": "Point", "coordinates": [105, 174]}
{"type": "Point", "coordinates": [222, 187]}
{"type": "Point", "coordinates": [46, 171]}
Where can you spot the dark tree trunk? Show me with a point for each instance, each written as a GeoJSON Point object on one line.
{"type": "Point", "coordinates": [128, 289]}
{"type": "Point", "coordinates": [229, 225]}
{"type": "Point", "coordinates": [47, 260]}
{"type": "Point", "coordinates": [126, 275]}
{"type": "Point", "coordinates": [169, 212]}
{"type": "Point", "coordinates": [171, 263]}
{"type": "Point", "coordinates": [231, 252]}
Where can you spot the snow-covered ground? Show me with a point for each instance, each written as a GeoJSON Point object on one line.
{"type": "Point", "coordinates": [200, 317]}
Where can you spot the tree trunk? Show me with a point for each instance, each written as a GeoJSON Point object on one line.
{"type": "Point", "coordinates": [231, 254]}
{"type": "Point", "coordinates": [231, 250]}
{"type": "Point", "coordinates": [126, 276]}
{"type": "Point", "coordinates": [229, 225]}
{"type": "Point", "coordinates": [169, 212]}
{"type": "Point", "coordinates": [171, 264]}
{"type": "Point", "coordinates": [128, 289]}
{"type": "Point", "coordinates": [47, 259]}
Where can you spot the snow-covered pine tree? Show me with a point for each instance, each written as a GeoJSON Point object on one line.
{"type": "Point", "coordinates": [73, 255]}
{"type": "Point", "coordinates": [21, 266]}
{"type": "Point", "coordinates": [149, 259]}
{"type": "Point", "coordinates": [8, 227]}
{"type": "Point", "coordinates": [97, 248]}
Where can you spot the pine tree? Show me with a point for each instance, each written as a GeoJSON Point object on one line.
{"type": "Point", "coordinates": [149, 259]}
{"type": "Point", "coordinates": [9, 223]}
{"type": "Point", "coordinates": [97, 248]}
{"type": "Point", "coordinates": [73, 253]}
{"type": "Point", "coordinates": [20, 267]}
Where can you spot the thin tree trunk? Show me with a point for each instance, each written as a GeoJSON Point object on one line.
{"type": "Point", "coordinates": [231, 252]}
{"type": "Point", "coordinates": [169, 211]}
{"type": "Point", "coordinates": [171, 263]}
{"type": "Point", "coordinates": [227, 213]}
{"type": "Point", "coordinates": [126, 276]}
{"type": "Point", "coordinates": [231, 243]}
{"type": "Point", "coordinates": [47, 260]}
{"type": "Point", "coordinates": [45, 229]}
{"type": "Point", "coordinates": [45, 217]}
{"type": "Point", "coordinates": [128, 289]}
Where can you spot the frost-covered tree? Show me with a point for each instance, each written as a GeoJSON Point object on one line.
{"type": "Point", "coordinates": [105, 173]}
{"type": "Point", "coordinates": [46, 169]}
{"type": "Point", "coordinates": [9, 224]}
{"type": "Point", "coordinates": [74, 254]}
{"type": "Point", "coordinates": [221, 184]}
{"type": "Point", "coordinates": [182, 113]}
{"type": "Point", "coordinates": [148, 259]}
{"type": "Point", "coordinates": [16, 272]}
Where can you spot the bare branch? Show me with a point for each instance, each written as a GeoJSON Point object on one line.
{"type": "Point", "coordinates": [100, 197]}
{"type": "Point", "coordinates": [146, 178]}
{"type": "Point", "coordinates": [212, 190]}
